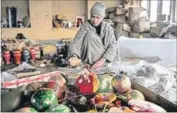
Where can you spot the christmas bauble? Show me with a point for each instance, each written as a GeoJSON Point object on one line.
{"type": "Point", "coordinates": [43, 98]}
{"type": "Point", "coordinates": [58, 108]}
{"type": "Point", "coordinates": [121, 83]}
{"type": "Point", "coordinates": [26, 109]}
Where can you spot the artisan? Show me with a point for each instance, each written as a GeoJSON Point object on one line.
{"type": "Point", "coordinates": [95, 42]}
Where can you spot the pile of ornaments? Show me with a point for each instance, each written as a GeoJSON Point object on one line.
{"type": "Point", "coordinates": [89, 93]}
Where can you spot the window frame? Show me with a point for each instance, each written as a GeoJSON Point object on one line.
{"type": "Point", "coordinates": [172, 13]}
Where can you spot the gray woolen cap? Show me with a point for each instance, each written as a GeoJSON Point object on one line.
{"type": "Point", "coordinates": [98, 9]}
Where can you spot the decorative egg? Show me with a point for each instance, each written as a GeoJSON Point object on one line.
{"type": "Point", "coordinates": [58, 108]}
{"type": "Point", "coordinates": [115, 110]}
{"type": "Point", "coordinates": [26, 109]}
{"type": "Point", "coordinates": [121, 83]}
{"type": "Point", "coordinates": [105, 84]}
{"type": "Point", "coordinates": [127, 110]}
{"type": "Point", "coordinates": [92, 111]}
{"type": "Point", "coordinates": [43, 98]}
{"type": "Point", "coordinates": [144, 106]}
{"type": "Point", "coordinates": [102, 99]}
{"type": "Point", "coordinates": [135, 94]}
{"type": "Point", "coordinates": [57, 83]}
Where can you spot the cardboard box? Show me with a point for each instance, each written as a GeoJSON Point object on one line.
{"type": "Point", "coordinates": [155, 98]}
{"type": "Point", "coordinates": [27, 80]}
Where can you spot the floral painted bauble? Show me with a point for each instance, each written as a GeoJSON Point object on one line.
{"type": "Point", "coordinates": [135, 94]}
{"type": "Point", "coordinates": [26, 109]}
{"type": "Point", "coordinates": [115, 110]}
{"type": "Point", "coordinates": [105, 84]}
{"type": "Point", "coordinates": [57, 83]}
{"type": "Point", "coordinates": [102, 99]}
{"type": "Point", "coordinates": [43, 98]}
{"type": "Point", "coordinates": [144, 106]}
{"type": "Point", "coordinates": [58, 108]}
{"type": "Point", "coordinates": [121, 83]}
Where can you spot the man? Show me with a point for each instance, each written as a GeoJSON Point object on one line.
{"type": "Point", "coordinates": [95, 42]}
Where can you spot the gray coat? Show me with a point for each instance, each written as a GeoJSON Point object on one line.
{"type": "Point", "coordinates": [90, 47]}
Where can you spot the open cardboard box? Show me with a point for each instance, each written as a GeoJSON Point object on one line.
{"type": "Point", "coordinates": [155, 98]}
{"type": "Point", "coordinates": [14, 99]}
{"type": "Point", "coordinates": [27, 80]}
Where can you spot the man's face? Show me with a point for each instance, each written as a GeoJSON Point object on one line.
{"type": "Point", "coordinates": [96, 20]}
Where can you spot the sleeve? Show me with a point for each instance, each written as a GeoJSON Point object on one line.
{"type": "Point", "coordinates": [111, 49]}
{"type": "Point", "coordinates": [75, 46]}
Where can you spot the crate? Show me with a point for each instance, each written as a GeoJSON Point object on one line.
{"type": "Point", "coordinates": [154, 97]}
{"type": "Point", "coordinates": [27, 80]}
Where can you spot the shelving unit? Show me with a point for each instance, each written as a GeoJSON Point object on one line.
{"type": "Point", "coordinates": [41, 13]}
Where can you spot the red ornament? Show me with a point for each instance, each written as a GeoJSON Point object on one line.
{"type": "Point", "coordinates": [86, 86]}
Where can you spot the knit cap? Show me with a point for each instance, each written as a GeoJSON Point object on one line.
{"type": "Point", "coordinates": [98, 9]}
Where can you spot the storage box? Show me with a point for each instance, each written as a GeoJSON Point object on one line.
{"type": "Point", "coordinates": [155, 98]}
{"type": "Point", "coordinates": [27, 80]}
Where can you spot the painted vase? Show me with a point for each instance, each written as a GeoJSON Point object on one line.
{"type": "Point", "coordinates": [32, 54]}
{"type": "Point", "coordinates": [17, 56]}
{"type": "Point", "coordinates": [26, 55]}
{"type": "Point", "coordinates": [6, 56]}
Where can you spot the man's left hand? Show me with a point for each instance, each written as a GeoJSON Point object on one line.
{"type": "Point", "coordinates": [99, 63]}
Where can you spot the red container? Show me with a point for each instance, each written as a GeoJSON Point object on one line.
{"type": "Point", "coordinates": [6, 56]}
{"type": "Point", "coordinates": [33, 54]}
{"type": "Point", "coordinates": [17, 57]}
{"type": "Point", "coordinates": [85, 87]}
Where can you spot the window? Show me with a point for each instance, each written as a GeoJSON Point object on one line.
{"type": "Point", "coordinates": [153, 10]}
{"type": "Point", "coordinates": [144, 4]}
{"type": "Point", "coordinates": [166, 7]}
{"type": "Point", "coordinates": [161, 7]}
{"type": "Point", "coordinates": [175, 12]}
{"type": "Point", "coordinates": [15, 13]}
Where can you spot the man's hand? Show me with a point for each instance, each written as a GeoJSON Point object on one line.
{"type": "Point", "coordinates": [99, 63]}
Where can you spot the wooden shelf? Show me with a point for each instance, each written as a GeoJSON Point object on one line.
{"type": "Point", "coordinates": [65, 29]}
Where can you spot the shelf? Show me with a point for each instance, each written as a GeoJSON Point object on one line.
{"type": "Point", "coordinates": [65, 29]}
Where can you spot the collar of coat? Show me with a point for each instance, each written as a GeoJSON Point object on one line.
{"type": "Point", "coordinates": [88, 27]}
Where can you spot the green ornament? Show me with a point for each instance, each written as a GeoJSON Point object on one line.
{"type": "Point", "coordinates": [26, 109]}
{"type": "Point", "coordinates": [43, 98]}
{"type": "Point", "coordinates": [105, 84]}
{"type": "Point", "coordinates": [58, 108]}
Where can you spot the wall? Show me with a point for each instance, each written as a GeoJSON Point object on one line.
{"type": "Point", "coordinates": [41, 24]}
{"type": "Point", "coordinates": [41, 19]}
{"type": "Point", "coordinates": [69, 8]}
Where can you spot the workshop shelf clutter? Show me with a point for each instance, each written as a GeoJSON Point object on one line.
{"type": "Point", "coordinates": [49, 83]}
